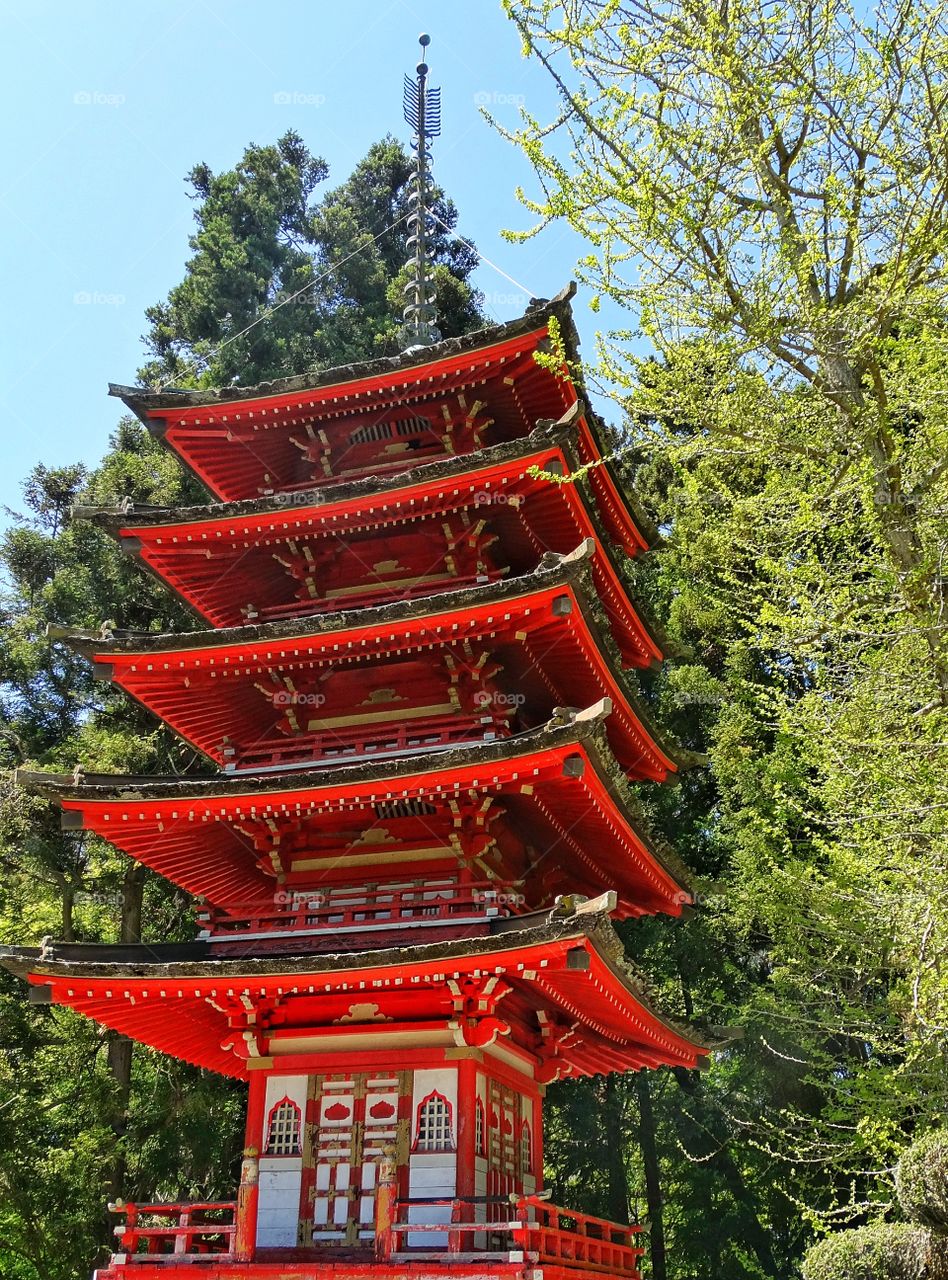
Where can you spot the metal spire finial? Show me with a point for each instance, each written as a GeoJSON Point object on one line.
{"type": "Point", "coordinates": [422, 108]}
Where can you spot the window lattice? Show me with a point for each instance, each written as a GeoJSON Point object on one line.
{"type": "Point", "coordinates": [526, 1154]}
{"type": "Point", "coordinates": [412, 425]}
{"type": "Point", "coordinates": [479, 1144]}
{"type": "Point", "coordinates": [434, 1125]}
{"type": "Point", "coordinates": [404, 809]}
{"type": "Point", "coordinates": [371, 431]}
{"type": "Point", "coordinates": [283, 1134]}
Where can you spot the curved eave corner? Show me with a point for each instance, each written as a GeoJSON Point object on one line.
{"type": "Point", "coordinates": [581, 934]}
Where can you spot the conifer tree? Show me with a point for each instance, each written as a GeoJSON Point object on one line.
{"type": "Point", "coordinates": [83, 1118]}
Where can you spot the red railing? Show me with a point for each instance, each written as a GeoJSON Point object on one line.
{"type": "Point", "coordinates": [542, 1232]}
{"type": "Point", "coordinates": [329, 911]}
{"type": "Point", "coordinates": [178, 1232]}
{"type": "Point", "coordinates": [373, 466]}
{"type": "Point", "coordinates": [465, 1224]}
{"type": "Point", "coordinates": [592, 1244]}
{"type": "Point", "coordinates": [531, 1230]}
{"type": "Point", "coordinates": [340, 459]}
{"type": "Point", "coordinates": [375, 593]}
{"type": "Point", "coordinates": [345, 742]}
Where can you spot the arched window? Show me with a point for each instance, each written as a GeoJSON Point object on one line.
{"type": "Point", "coordinates": [283, 1129]}
{"type": "Point", "coordinates": [526, 1149]}
{"type": "Point", "coordinates": [480, 1143]}
{"type": "Point", "coordinates": [434, 1128]}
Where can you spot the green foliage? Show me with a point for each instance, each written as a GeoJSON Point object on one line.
{"type": "Point", "coordinates": [359, 306]}
{"type": "Point", "coordinates": [54, 1140]}
{"type": "Point", "coordinates": [323, 277]}
{"type": "Point", "coordinates": [882, 1251]}
{"type": "Point", "coordinates": [79, 1125]}
{"type": "Point", "coordinates": [761, 188]}
{"type": "Point", "coordinates": [70, 1129]}
{"type": "Point", "coordinates": [921, 1181]}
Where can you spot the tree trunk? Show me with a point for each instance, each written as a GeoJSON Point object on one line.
{"type": "Point", "coordinates": [133, 885]}
{"type": "Point", "coordinates": [120, 1047]}
{"type": "Point", "coordinates": [653, 1184]}
{"type": "Point", "coordinates": [69, 902]}
{"type": "Point", "coordinates": [717, 1156]}
{"type": "Point", "coordinates": [920, 585]}
{"type": "Point", "coordinates": [618, 1183]}
{"type": "Point", "coordinates": [130, 930]}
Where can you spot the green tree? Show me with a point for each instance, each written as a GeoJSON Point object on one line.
{"type": "Point", "coordinates": [762, 189]}
{"type": "Point", "coordinates": [361, 234]}
{"type": "Point", "coordinates": [83, 1119]}
{"type": "Point", "coordinates": [878, 1252]}
{"type": "Point", "coordinates": [917, 1248]}
{"type": "Point", "coordinates": [772, 184]}
{"type": "Point", "coordinates": [326, 274]}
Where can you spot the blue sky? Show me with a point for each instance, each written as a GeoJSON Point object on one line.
{"type": "Point", "coordinates": [108, 105]}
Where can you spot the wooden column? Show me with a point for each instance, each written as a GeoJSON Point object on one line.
{"type": "Point", "coordinates": [386, 1203]}
{"type": "Point", "coordinates": [256, 1108]}
{"type": "Point", "coordinates": [248, 1195]}
{"type": "Point", "coordinates": [467, 1097]}
{"type": "Point", "coordinates": [536, 1130]}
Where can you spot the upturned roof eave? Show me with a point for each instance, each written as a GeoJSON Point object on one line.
{"type": "Point", "coordinates": [549, 435]}
{"type": "Point", "coordinates": [570, 570]}
{"type": "Point", "coordinates": [545, 436]}
{"type": "Point", "coordinates": [587, 923]}
{"type": "Point", "coordinates": [144, 402]}
{"type": "Point", "coordinates": [561, 570]}
{"type": "Point", "coordinates": [577, 727]}
{"type": "Point", "coordinates": [583, 728]}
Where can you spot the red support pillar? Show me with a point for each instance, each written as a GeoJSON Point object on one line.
{"type": "Point", "coordinates": [248, 1195]}
{"type": "Point", "coordinates": [467, 1128]}
{"type": "Point", "coordinates": [128, 1239]}
{"type": "Point", "coordinates": [467, 1099]}
{"type": "Point", "coordinates": [536, 1133]}
{"type": "Point", "coordinates": [386, 1204]}
{"type": "Point", "coordinates": [256, 1106]}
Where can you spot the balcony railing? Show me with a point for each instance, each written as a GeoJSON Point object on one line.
{"type": "Point", "coordinates": [175, 1232]}
{"type": "Point", "coordinates": [383, 738]}
{"type": "Point", "coordinates": [566, 1238]}
{"type": "Point", "coordinates": [378, 592]}
{"type": "Point", "coordinates": [459, 1231]}
{"type": "Point", "coordinates": [358, 909]}
{"type": "Point", "coordinates": [534, 1229]}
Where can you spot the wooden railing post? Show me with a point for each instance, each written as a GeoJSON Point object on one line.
{"type": "Point", "coordinates": [581, 1240]}
{"type": "Point", "coordinates": [521, 1233]}
{"type": "Point", "coordinates": [455, 1238]}
{"type": "Point", "coordinates": [126, 1233]}
{"type": "Point", "coordinates": [182, 1238]}
{"type": "Point", "coordinates": [386, 1206]}
{"type": "Point", "coordinates": [245, 1216]}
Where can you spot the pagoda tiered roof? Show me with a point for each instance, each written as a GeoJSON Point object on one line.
{"type": "Point", "coordinates": [464, 665]}
{"type": "Point", "coordinates": [566, 821]}
{"type": "Point", "coordinates": [290, 434]}
{"type": "Point", "coordinates": [482, 517]}
{"type": "Point", "coordinates": [415, 687]}
{"type": "Point", "coordinates": [548, 984]}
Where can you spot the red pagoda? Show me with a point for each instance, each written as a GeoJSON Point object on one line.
{"type": "Point", "coordinates": [415, 679]}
